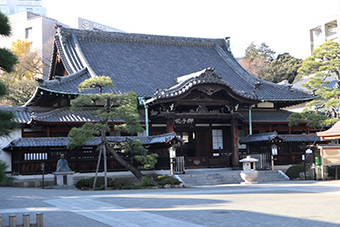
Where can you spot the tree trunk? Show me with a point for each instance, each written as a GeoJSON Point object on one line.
{"type": "Point", "coordinates": [135, 171]}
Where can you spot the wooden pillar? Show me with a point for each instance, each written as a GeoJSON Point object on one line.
{"type": "Point", "coordinates": [26, 220]}
{"type": "Point", "coordinates": [48, 131]}
{"type": "Point", "coordinates": [234, 140]}
{"type": "Point", "coordinates": [169, 125]}
{"type": "Point", "coordinates": [12, 220]}
{"type": "Point", "coordinates": [40, 219]}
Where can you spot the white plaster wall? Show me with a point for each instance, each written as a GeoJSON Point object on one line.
{"type": "Point", "coordinates": [7, 156]}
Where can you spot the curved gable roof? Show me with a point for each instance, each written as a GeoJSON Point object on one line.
{"type": "Point", "coordinates": [143, 63]}
{"type": "Point", "coordinates": [66, 115]}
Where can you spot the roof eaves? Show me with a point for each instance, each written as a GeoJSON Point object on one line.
{"type": "Point", "coordinates": [60, 92]}
{"type": "Point", "coordinates": [283, 100]}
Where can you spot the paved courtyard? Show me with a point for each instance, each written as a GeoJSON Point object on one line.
{"type": "Point", "coordinates": [270, 204]}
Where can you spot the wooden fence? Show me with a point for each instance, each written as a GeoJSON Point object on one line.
{"type": "Point", "coordinates": [26, 221]}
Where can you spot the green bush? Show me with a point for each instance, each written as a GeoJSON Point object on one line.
{"type": "Point", "coordinates": [99, 182]}
{"type": "Point", "coordinates": [88, 183]}
{"type": "Point", "coordinates": [293, 171]}
{"type": "Point", "coordinates": [120, 183]}
{"type": "Point", "coordinates": [147, 181]}
{"type": "Point", "coordinates": [146, 161]}
{"type": "Point", "coordinates": [83, 183]}
{"type": "Point", "coordinates": [132, 187]}
{"type": "Point", "coordinates": [163, 180]}
{"type": "Point", "coordinates": [3, 168]}
{"type": "Point", "coordinates": [331, 172]}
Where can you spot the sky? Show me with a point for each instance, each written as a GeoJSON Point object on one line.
{"type": "Point", "coordinates": [282, 24]}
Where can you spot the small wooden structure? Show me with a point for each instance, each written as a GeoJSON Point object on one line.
{"type": "Point", "coordinates": [330, 153]}
{"type": "Point", "coordinates": [290, 147]}
{"type": "Point", "coordinates": [29, 153]}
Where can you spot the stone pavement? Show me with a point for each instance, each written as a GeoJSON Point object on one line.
{"type": "Point", "coordinates": [293, 203]}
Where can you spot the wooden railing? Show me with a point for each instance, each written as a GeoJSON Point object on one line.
{"type": "Point", "coordinates": [26, 221]}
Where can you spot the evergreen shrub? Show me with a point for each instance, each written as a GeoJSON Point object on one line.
{"type": "Point", "coordinates": [99, 182]}
{"type": "Point", "coordinates": [147, 181]}
{"type": "Point", "coordinates": [120, 183]}
{"type": "Point", "coordinates": [163, 180]}
{"type": "Point", "coordinates": [83, 183]}
{"type": "Point", "coordinates": [3, 168]}
{"type": "Point", "coordinates": [293, 171]}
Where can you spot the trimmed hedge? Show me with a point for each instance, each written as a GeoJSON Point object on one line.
{"type": "Point", "coordinates": [163, 180]}
{"type": "Point", "coordinates": [293, 171]}
{"type": "Point", "coordinates": [148, 181]}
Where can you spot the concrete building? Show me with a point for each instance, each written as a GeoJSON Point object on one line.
{"type": "Point", "coordinates": [326, 30]}
{"type": "Point", "coordinates": [40, 31]}
{"type": "Point", "coordinates": [85, 24]}
{"type": "Point", "coordinates": [10, 7]}
{"type": "Point", "coordinates": [37, 29]}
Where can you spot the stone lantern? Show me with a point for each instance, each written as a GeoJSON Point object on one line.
{"type": "Point", "coordinates": [249, 173]}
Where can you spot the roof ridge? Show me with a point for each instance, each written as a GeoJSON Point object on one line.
{"type": "Point", "coordinates": [141, 38]}
{"type": "Point", "coordinates": [237, 67]}
{"type": "Point", "coordinates": [59, 43]}
{"type": "Point", "coordinates": [82, 59]}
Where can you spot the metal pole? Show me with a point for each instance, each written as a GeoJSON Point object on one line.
{"type": "Point", "coordinates": [336, 173]}
{"type": "Point", "coordinates": [250, 123]}
{"type": "Point", "coordinates": [95, 177]}
{"type": "Point", "coordinates": [43, 174]}
{"type": "Point", "coordinates": [105, 166]}
{"type": "Point", "coordinates": [146, 119]}
{"type": "Point", "coordinates": [171, 166]}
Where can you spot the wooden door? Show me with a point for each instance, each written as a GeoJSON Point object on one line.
{"type": "Point", "coordinates": [203, 143]}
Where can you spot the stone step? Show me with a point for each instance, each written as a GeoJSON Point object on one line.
{"type": "Point", "coordinates": [229, 177]}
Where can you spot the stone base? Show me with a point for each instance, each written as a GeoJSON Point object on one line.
{"type": "Point", "coordinates": [252, 182]}
{"type": "Point", "coordinates": [63, 178]}
{"type": "Point", "coordinates": [62, 187]}
{"type": "Point", "coordinates": [249, 176]}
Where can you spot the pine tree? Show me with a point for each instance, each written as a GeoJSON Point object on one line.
{"type": "Point", "coordinates": [322, 65]}
{"type": "Point", "coordinates": [116, 107]}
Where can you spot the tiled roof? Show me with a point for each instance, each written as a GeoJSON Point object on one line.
{"type": "Point", "coordinates": [27, 114]}
{"type": "Point", "coordinates": [144, 63]}
{"type": "Point", "coordinates": [66, 115]}
{"type": "Point", "coordinates": [266, 115]}
{"type": "Point", "coordinates": [300, 138]}
{"type": "Point", "coordinates": [298, 84]}
{"type": "Point", "coordinates": [261, 137]}
{"type": "Point", "coordinates": [285, 138]}
{"type": "Point", "coordinates": [68, 84]}
{"type": "Point", "coordinates": [23, 113]}
{"type": "Point", "coordinates": [63, 141]}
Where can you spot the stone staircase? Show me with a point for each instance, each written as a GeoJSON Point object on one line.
{"type": "Point", "coordinates": [228, 177]}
